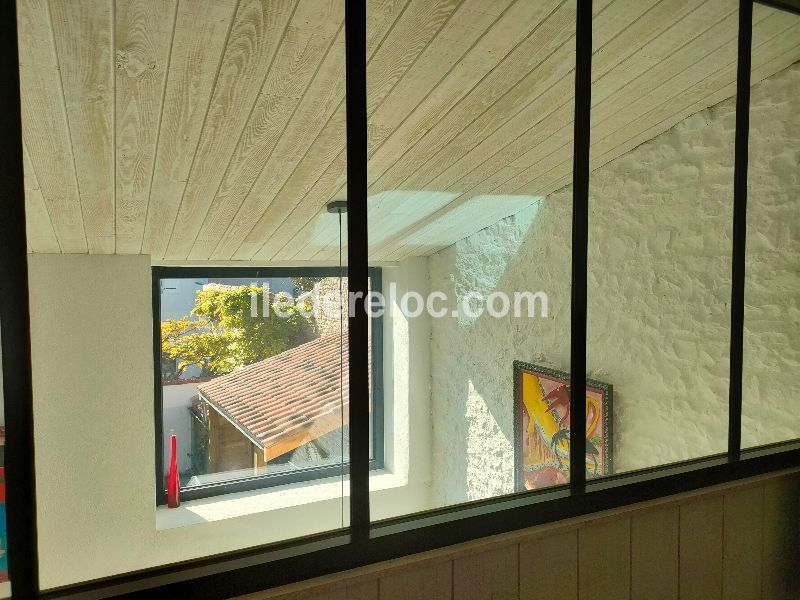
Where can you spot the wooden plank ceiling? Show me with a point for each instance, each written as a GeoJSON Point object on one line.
{"type": "Point", "coordinates": [195, 130]}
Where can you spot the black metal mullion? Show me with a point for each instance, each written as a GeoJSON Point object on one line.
{"type": "Point", "coordinates": [580, 242]}
{"type": "Point", "coordinates": [739, 228]}
{"type": "Point", "coordinates": [15, 329]}
{"type": "Point", "coordinates": [357, 260]}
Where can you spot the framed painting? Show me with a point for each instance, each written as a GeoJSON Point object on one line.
{"type": "Point", "coordinates": [542, 427]}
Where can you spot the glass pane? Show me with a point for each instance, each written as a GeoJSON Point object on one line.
{"type": "Point", "coordinates": [470, 121]}
{"type": "Point", "coordinates": [770, 406]}
{"type": "Point", "coordinates": [660, 215]}
{"type": "Point", "coordinates": [250, 387]}
{"type": "Point", "coordinates": [191, 134]}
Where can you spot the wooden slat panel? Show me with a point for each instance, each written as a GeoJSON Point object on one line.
{"type": "Point", "coordinates": [308, 39]}
{"type": "Point", "coordinates": [742, 543]}
{"type": "Point", "coordinates": [41, 237]}
{"type": "Point", "coordinates": [491, 575]}
{"type": "Point", "coordinates": [412, 33]}
{"type": "Point", "coordinates": [143, 38]}
{"type": "Point", "coordinates": [604, 560]}
{"type": "Point", "coordinates": [83, 36]}
{"type": "Point", "coordinates": [654, 554]}
{"type": "Point", "coordinates": [426, 582]}
{"type": "Point", "coordinates": [548, 567]}
{"type": "Point", "coordinates": [255, 36]}
{"type": "Point", "coordinates": [364, 590]}
{"type": "Point", "coordinates": [44, 125]}
{"type": "Point", "coordinates": [201, 30]}
{"type": "Point", "coordinates": [701, 549]}
{"type": "Point", "coordinates": [669, 100]}
{"type": "Point", "coordinates": [781, 579]}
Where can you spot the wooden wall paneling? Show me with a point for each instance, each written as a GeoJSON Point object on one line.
{"type": "Point", "coordinates": [254, 222]}
{"type": "Point", "coordinates": [663, 88]}
{"type": "Point", "coordinates": [742, 544]}
{"type": "Point", "coordinates": [549, 100]}
{"type": "Point", "coordinates": [548, 567]}
{"type": "Point", "coordinates": [604, 560]}
{"type": "Point", "coordinates": [257, 32]}
{"type": "Point", "coordinates": [143, 40]}
{"type": "Point", "coordinates": [45, 128]}
{"type": "Point", "coordinates": [356, 590]}
{"type": "Point", "coordinates": [781, 531]}
{"type": "Point", "coordinates": [83, 33]}
{"type": "Point", "coordinates": [490, 575]}
{"type": "Point", "coordinates": [40, 233]}
{"type": "Point", "coordinates": [655, 554]}
{"type": "Point", "coordinates": [201, 32]}
{"type": "Point", "coordinates": [281, 112]}
{"type": "Point", "coordinates": [701, 548]}
{"type": "Point", "coordinates": [284, 186]}
{"type": "Point", "coordinates": [428, 581]}
{"type": "Point", "coordinates": [517, 43]}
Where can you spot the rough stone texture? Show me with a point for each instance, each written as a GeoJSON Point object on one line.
{"type": "Point", "coordinates": [659, 313]}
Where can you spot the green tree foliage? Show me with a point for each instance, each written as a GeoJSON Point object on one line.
{"type": "Point", "coordinates": [221, 334]}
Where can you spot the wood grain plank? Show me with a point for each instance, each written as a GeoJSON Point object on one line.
{"type": "Point", "coordinates": [425, 582]}
{"type": "Point", "coordinates": [742, 544]}
{"type": "Point", "coordinates": [257, 31]}
{"type": "Point", "coordinates": [358, 590]}
{"type": "Point", "coordinates": [672, 105]}
{"type": "Point", "coordinates": [83, 35]}
{"type": "Point", "coordinates": [45, 128]}
{"type": "Point", "coordinates": [413, 32]}
{"type": "Point", "coordinates": [548, 567]}
{"type": "Point", "coordinates": [604, 560]}
{"type": "Point", "coordinates": [701, 533]}
{"type": "Point", "coordinates": [143, 38]}
{"type": "Point", "coordinates": [780, 579]}
{"type": "Point", "coordinates": [308, 38]}
{"type": "Point", "coordinates": [511, 82]}
{"type": "Point", "coordinates": [201, 30]}
{"type": "Point", "coordinates": [655, 554]}
{"type": "Point", "coordinates": [417, 26]}
{"type": "Point", "coordinates": [491, 575]}
{"type": "Point", "coordinates": [40, 234]}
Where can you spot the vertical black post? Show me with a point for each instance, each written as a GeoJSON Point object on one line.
{"type": "Point", "coordinates": [15, 327]}
{"type": "Point", "coordinates": [357, 255]}
{"type": "Point", "coordinates": [739, 227]}
{"type": "Point", "coordinates": [580, 242]}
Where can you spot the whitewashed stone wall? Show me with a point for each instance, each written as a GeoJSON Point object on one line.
{"type": "Point", "coordinates": [659, 281]}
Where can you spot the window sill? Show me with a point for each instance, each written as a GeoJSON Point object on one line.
{"type": "Point", "coordinates": [230, 506]}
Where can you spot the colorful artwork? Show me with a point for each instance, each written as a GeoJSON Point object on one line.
{"type": "Point", "coordinates": [542, 426]}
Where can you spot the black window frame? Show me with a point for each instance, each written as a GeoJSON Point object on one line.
{"type": "Point", "coordinates": [266, 480]}
{"type": "Point", "coordinates": [365, 542]}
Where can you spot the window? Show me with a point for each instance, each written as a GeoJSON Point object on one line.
{"type": "Point", "coordinates": [250, 365]}
{"type": "Point", "coordinates": [557, 193]}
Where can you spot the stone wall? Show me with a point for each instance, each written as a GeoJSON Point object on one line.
{"type": "Point", "coordinates": [659, 301]}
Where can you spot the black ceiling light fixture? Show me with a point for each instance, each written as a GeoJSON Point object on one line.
{"type": "Point", "coordinates": [337, 206]}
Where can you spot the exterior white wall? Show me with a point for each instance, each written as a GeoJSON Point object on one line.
{"type": "Point", "coordinates": [176, 400]}
{"type": "Point", "coordinates": [91, 329]}
{"type": "Point", "coordinates": [659, 301]}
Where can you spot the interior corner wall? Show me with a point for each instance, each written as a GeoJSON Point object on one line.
{"type": "Point", "coordinates": [659, 301]}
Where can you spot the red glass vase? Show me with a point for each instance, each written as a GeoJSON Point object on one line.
{"type": "Point", "coordinates": [173, 483]}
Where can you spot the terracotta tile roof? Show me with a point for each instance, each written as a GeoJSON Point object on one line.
{"type": "Point", "coordinates": [282, 396]}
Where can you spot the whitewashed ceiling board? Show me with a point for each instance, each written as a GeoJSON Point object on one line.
{"type": "Point", "coordinates": [45, 127]}
{"type": "Point", "coordinates": [214, 129]}
{"type": "Point", "coordinates": [144, 31]}
{"type": "Point", "coordinates": [201, 32]}
{"type": "Point", "coordinates": [83, 37]}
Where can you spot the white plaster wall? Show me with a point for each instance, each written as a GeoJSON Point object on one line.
{"type": "Point", "coordinates": [659, 281]}
{"type": "Point", "coordinates": [176, 400]}
{"type": "Point", "coordinates": [91, 328]}
{"type": "Point", "coordinates": [770, 403]}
